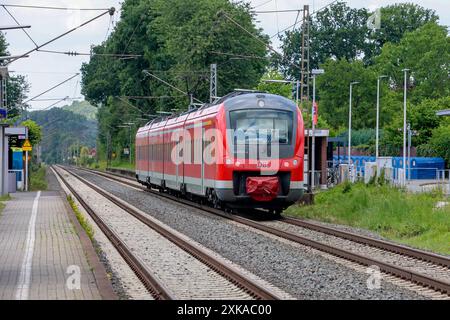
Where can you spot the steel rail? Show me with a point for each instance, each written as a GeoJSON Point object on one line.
{"type": "Point", "coordinates": [377, 243]}
{"type": "Point", "coordinates": [437, 285]}
{"type": "Point", "coordinates": [152, 284]}
{"type": "Point", "coordinates": [230, 273]}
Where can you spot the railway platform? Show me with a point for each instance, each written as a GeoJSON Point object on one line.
{"type": "Point", "coordinates": [45, 254]}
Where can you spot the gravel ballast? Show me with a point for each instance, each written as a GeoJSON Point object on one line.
{"type": "Point", "coordinates": [296, 269]}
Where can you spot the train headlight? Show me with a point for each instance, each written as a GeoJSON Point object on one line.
{"type": "Point", "coordinates": [286, 164]}
{"type": "Point", "coordinates": [228, 161]}
{"type": "Point", "coordinates": [237, 163]}
{"type": "Point", "coordinates": [295, 162]}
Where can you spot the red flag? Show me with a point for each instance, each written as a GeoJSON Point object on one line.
{"type": "Point", "coordinates": [315, 113]}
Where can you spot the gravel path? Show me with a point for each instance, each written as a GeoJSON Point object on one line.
{"type": "Point", "coordinates": [301, 271]}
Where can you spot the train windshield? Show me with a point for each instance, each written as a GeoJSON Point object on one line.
{"type": "Point", "coordinates": [253, 126]}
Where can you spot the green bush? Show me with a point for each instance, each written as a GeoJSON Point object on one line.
{"type": "Point", "coordinates": [440, 142]}
{"type": "Point", "coordinates": [392, 212]}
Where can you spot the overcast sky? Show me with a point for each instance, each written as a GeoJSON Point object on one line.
{"type": "Point", "coordinates": [43, 70]}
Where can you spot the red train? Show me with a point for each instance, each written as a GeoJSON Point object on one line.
{"type": "Point", "coordinates": [244, 151]}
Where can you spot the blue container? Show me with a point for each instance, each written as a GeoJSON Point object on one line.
{"type": "Point", "coordinates": [420, 168]}
{"type": "Point", "coordinates": [17, 160]}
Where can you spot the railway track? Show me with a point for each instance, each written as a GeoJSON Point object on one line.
{"type": "Point", "coordinates": [440, 263]}
{"type": "Point", "coordinates": [154, 286]}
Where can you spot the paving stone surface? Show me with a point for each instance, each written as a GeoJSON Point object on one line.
{"type": "Point", "coordinates": [41, 256]}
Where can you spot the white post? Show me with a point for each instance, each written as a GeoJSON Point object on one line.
{"type": "Point", "coordinates": [378, 120]}
{"type": "Point", "coordinates": [350, 131]}
{"type": "Point", "coordinates": [313, 152]}
{"type": "Point", "coordinates": [26, 170]}
{"type": "Point", "coordinates": [26, 162]}
{"type": "Point", "coordinates": [409, 152]}
{"type": "Point", "coordinates": [404, 126]}
{"type": "Point", "coordinates": [377, 139]}
{"type": "Point", "coordinates": [349, 146]}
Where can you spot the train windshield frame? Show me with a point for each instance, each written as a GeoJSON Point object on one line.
{"type": "Point", "coordinates": [260, 126]}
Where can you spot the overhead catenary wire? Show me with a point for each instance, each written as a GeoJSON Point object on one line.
{"type": "Point", "coordinates": [170, 85]}
{"type": "Point", "coordinates": [262, 4]}
{"type": "Point", "coordinates": [53, 8]}
{"type": "Point", "coordinates": [223, 13]}
{"type": "Point", "coordinates": [56, 99]}
{"type": "Point", "coordinates": [152, 97]}
{"type": "Point", "coordinates": [74, 53]}
{"type": "Point", "coordinates": [299, 21]}
{"type": "Point", "coordinates": [132, 34]}
{"type": "Point", "coordinates": [278, 11]}
{"type": "Point", "coordinates": [54, 87]}
{"type": "Point", "coordinates": [131, 105]}
{"type": "Point", "coordinates": [18, 23]}
{"type": "Point", "coordinates": [110, 11]}
{"type": "Point", "coordinates": [236, 55]}
{"type": "Point", "coordinates": [50, 106]}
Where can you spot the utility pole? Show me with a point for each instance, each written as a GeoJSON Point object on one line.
{"type": "Point", "coordinates": [409, 151]}
{"type": "Point", "coordinates": [304, 77]}
{"type": "Point", "coordinates": [3, 95]}
{"type": "Point", "coordinates": [213, 83]}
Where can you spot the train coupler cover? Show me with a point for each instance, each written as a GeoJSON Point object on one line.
{"type": "Point", "coordinates": [262, 188]}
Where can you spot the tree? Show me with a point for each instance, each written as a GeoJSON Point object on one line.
{"type": "Point", "coordinates": [179, 40]}
{"type": "Point", "coordinates": [61, 129]}
{"type": "Point", "coordinates": [337, 32]}
{"type": "Point", "coordinates": [17, 90]}
{"type": "Point", "coordinates": [424, 120]}
{"type": "Point", "coordinates": [17, 86]}
{"type": "Point", "coordinates": [400, 18]}
{"type": "Point", "coordinates": [282, 89]}
{"type": "Point", "coordinates": [333, 93]}
{"type": "Point", "coordinates": [3, 46]}
{"type": "Point", "coordinates": [340, 31]}
{"type": "Point", "coordinates": [34, 131]}
{"type": "Point", "coordinates": [426, 51]}
{"type": "Point", "coordinates": [440, 142]}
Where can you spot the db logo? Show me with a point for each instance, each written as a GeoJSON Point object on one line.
{"type": "Point", "coordinates": [263, 164]}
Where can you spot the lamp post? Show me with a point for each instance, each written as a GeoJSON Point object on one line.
{"type": "Point", "coordinates": [314, 72]}
{"type": "Point", "coordinates": [404, 125]}
{"type": "Point", "coordinates": [377, 138]}
{"type": "Point", "coordinates": [350, 126]}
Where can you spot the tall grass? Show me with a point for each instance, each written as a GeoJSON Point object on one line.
{"type": "Point", "coordinates": [38, 180]}
{"type": "Point", "coordinates": [101, 165]}
{"type": "Point", "coordinates": [393, 213]}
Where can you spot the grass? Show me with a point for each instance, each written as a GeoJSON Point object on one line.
{"type": "Point", "coordinates": [2, 205]}
{"type": "Point", "coordinates": [81, 219]}
{"type": "Point", "coordinates": [101, 165]}
{"type": "Point", "coordinates": [391, 212]}
{"type": "Point", "coordinates": [38, 180]}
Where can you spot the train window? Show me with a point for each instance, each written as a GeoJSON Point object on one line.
{"type": "Point", "coordinates": [260, 126]}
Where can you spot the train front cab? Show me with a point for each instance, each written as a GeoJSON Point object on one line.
{"type": "Point", "coordinates": [272, 182]}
